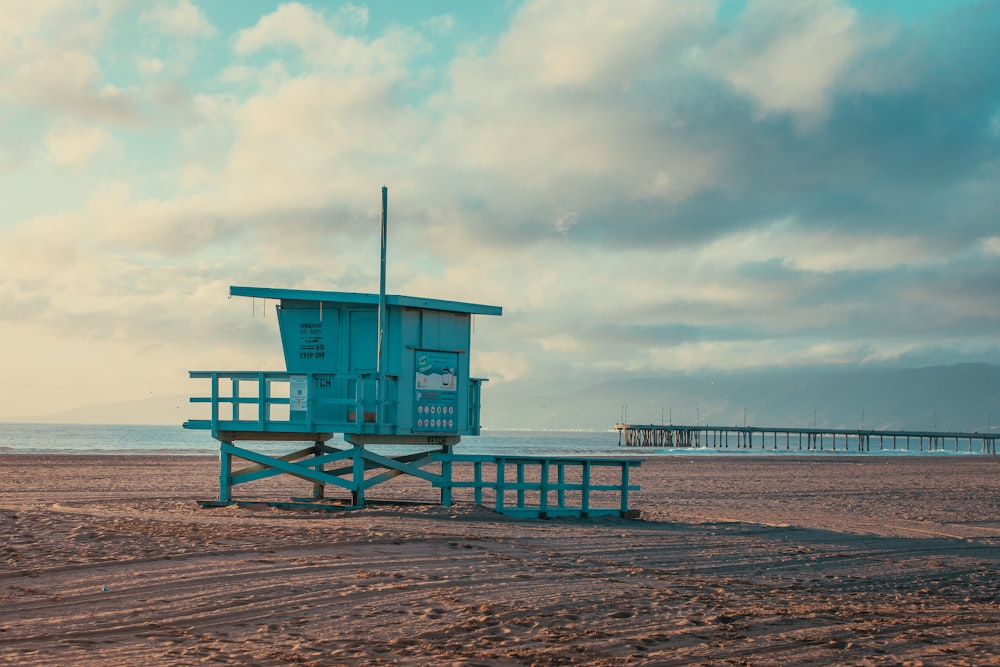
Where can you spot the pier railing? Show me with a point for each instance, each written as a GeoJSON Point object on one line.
{"type": "Point", "coordinates": [804, 439]}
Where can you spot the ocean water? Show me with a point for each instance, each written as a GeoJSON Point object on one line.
{"type": "Point", "coordinates": [18, 438]}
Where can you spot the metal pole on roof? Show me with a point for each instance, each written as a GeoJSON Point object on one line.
{"type": "Point", "coordinates": [380, 367]}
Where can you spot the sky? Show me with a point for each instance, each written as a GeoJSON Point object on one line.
{"type": "Point", "coordinates": [647, 188]}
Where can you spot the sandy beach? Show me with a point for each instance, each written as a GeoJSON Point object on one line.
{"type": "Point", "coordinates": [109, 560]}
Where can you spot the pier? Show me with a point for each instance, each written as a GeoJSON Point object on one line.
{"type": "Point", "coordinates": [774, 438]}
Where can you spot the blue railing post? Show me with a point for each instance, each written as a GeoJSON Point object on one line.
{"type": "Point", "coordinates": [561, 481]}
{"type": "Point", "coordinates": [225, 474]}
{"type": "Point", "coordinates": [501, 466]}
{"type": "Point", "coordinates": [446, 477]}
{"type": "Point", "coordinates": [477, 478]}
{"type": "Point", "coordinates": [261, 402]}
{"type": "Point", "coordinates": [520, 484]}
{"type": "Point", "coordinates": [235, 399]}
{"type": "Point", "coordinates": [215, 401]}
{"type": "Point", "coordinates": [624, 493]}
{"type": "Point", "coordinates": [543, 489]}
{"type": "Point", "coordinates": [319, 489]}
{"type": "Point", "coordinates": [358, 492]}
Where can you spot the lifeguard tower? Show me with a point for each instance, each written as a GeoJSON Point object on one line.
{"type": "Point", "coordinates": [419, 392]}
{"type": "Point", "coordinates": [382, 370]}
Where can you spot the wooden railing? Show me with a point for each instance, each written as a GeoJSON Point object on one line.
{"type": "Point", "coordinates": [261, 402]}
{"type": "Point", "coordinates": [543, 487]}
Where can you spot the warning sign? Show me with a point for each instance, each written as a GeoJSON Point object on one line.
{"type": "Point", "coordinates": [436, 392]}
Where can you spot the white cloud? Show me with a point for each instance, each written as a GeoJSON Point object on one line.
{"type": "Point", "coordinates": [68, 81]}
{"type": "Point", "coordinates": [195, 176]}
{"type": "Point", "coordinates": [181, 18]}
{"type": "Point", "coordinates": [828, 252]}
{"type": "Point", "coordinates": [74, 145]}
{"type": "Point", "coordinates": [312, 139]}
{"type": "Point", "coordinates": [442, 25]}
{"type": "Point", "coordinates": [180, 226]}
{"type": "Point", "coordinates": [16, 305]}
{"type": "Point", "coordinates": [34, 25]}
{"type": "Point", "coordinates": [791, 57]}
{"type": "Point", "coordinates": [325, 134]}
{"type": "Point", "coordinates": [600, 45]}
{"type": "Point", "coordinates": [150, 65]}
{"type": "Point", "coordinates": [818, 251]}
{"type": "Point", "coordinates": [565, 221]}
{"type": "Point", "coordinates": [237, 73]}
{"type": "Point", "coordinates": [326, 49]}
{"type": "Point", "coordinates": [504, 366]}
{"type": "Point", "coordinates": [292, 24]}
{"type": "Point", "coordinates": [48, 60]}
{"type": "Point", "coordinates": [657, 186]}
{"type": "Point", "coordinates": [566, 100]}
{"type": "Point", "coordinates": [352, 16]}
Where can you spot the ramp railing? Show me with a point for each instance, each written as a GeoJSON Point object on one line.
{"type": "Point", "coordinates": [543, 487]}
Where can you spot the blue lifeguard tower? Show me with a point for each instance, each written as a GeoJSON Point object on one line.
{"type": "Point", "coordinates": [382, 370]}
{"type": "Point", "coordinates": [407, 384]}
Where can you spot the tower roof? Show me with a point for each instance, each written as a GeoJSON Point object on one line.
{"type": "Point", "coordinates": [365, 299]}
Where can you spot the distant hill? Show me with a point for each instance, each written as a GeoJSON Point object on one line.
{"type": "Point", "coordinates": [959, 397]}
{"type": "Point", "coordinates": [153, 410]}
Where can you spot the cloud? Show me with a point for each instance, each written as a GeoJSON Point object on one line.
{"type": "Point", "coordinates": [48, 60]}
{"type": "Point", "coordinates": [68, 82]}
{"type": "Point", "coordinates": [292, 24]}
{"type": "Point", "coordinates": [75, 146]}
{"type": "Point", "coordinates": [181, 19]}
{"type": "Point", "coordinates": [565, 220]}
{"type": "Point", "coordinates": [315, 140]}
{"type": "Point", "coordinates": [150, 65]}
{"type": "Point", "coordinates": [600, 47]}
{"type": "Point", "coordinates": [325, 45]}
{"type": "Point", "coordinates": [819, 251]}
{"type": "Point", "coordinates": [442, 24]}
{"type": "Point", "coordinates": [237, 73]}
{"type": "Point", "coordinates": [643, 191]}
{"type": "Point", "coordinates": [19, 305]}
{"type": "Point", "coordinates": [353, 16]}
{"type": "Point", "coordinates": [792, 58]}
{"type": "Point", "coordinates": [560, 92]}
